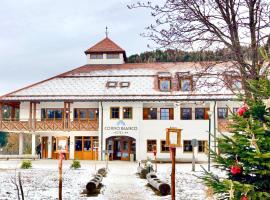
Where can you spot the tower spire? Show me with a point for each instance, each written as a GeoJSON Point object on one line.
{"type": "Point", "coordinates": [106, 32]}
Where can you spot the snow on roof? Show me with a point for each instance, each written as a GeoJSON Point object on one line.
{"type": "Point", "coordinates": [89, 83]}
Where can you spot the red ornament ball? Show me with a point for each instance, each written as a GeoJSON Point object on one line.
{"type": "Point", "coordinates": [235, 170]}
{"type": "Point", "coordinates": [242, 110]}
{"type": "Point", "coordinates": [244, 197]}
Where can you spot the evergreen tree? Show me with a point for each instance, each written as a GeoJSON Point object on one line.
{"type": "Point", "coordinates": [245, 153]}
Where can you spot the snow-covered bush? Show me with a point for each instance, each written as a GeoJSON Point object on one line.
{"type": "Point", "coordinates": [26, 164]}
{"type": "Point", "coordinates": [75, 164]}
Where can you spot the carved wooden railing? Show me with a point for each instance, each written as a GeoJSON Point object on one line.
{"type": "Point", "coordinates": [84, 125]}
{"type": "Point", "coordinates": [53, 125]}
{"type": "Point", "coordinates": [11, 125]}
{"type": "Point", "coordinates": [48, 125]}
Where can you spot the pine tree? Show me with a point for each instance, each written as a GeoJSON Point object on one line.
{"type": "Point", "coordinates": [245, 153]}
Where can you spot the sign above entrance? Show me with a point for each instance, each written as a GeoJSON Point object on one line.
{"type": "Point", "coordinates": [120, 128]}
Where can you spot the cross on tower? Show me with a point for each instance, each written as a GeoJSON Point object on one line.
{"type": "Point", "coordinates": [106, 32]}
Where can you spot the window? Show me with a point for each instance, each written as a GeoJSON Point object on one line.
{"type": "Point", "coordinates": [186, 113]}
{"type": "Point", "coordinates": [87, 144]}
{"type": "Point", "coordinates": [222, 113]}
{"type": "Point", "coordinates": [202, 146]}
{"type": "Point", "coordinates": [52, 114]}
{"type": "Point", "coordinates": [86, 113]}
{"type": "Point", "coordinates": [113, 56]}
{"type": "Point", "coordinates": [127, 113]}
{"type": "Point", "coordinates": [187, 146]}
{"type": "Point", "coordinates": [111, 84]}
{"type": "Point", "coordinates": [124, 84]}
{"type": "Point", "coordinates": [163, 147]}
{"type": "Point", "coordinates": [115, 114]}
{"type": "Point", "coordinates": [201, 113]}
{"type": "Point", "coordinates": [149, 113]}
{"type": "Point", "coordinates": [164, 84]}
{"type": "Point", "coordinates": [151, 145]}
{"type": "Point", "coordinates": [186, 84]}
{"type": "Point", "coordinates": [166, 113]}
{"type": "Point", "coordinates": [96, 56]}
{"type": "Point", "coordinates": [78, 143]}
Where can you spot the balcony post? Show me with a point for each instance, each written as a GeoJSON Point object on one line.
{"type": "Point", "coordinates": [30, 116]}
{"type": "Point", "coordinates": [33, 144]}
{"type": "Point", "coordinates": [68, 117]}
{"type": "Point", "coordinates": [1, 115]}
{"type": "Point", "coordinates": [35, 116]}
{"type": "Point", "coordinates": [49, 147]}
{"type": "Point", "coordinates": [20, 143]}
{"type": "Point", "coordinates": [71, 148]}
{"type": "Point", "coordinates": [65, 115]}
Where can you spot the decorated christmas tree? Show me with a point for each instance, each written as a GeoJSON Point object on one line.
{"type": "Point", "coordinates": [244, 154]}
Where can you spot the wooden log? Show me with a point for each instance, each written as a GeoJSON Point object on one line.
{"type": "Point", "coordinates": [94, 183]}
{"type": "Point", "coordinates": [159, 185]}
{"type": "Point", "coordinates": [102, 171]}
{"type": "Point", "coordinates": [142, 172]}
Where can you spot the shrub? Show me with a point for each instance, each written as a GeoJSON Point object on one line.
{"type": "Point", "coordinates": [26, 164]}
{"type": "Point", "coordinates": [75, 164]}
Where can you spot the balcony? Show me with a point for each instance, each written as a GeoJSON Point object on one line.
{"type": "Point", "coordinates": [48, 125]}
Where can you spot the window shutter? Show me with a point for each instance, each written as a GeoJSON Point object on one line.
{"type": "Point", "coordinates": [171, 114]}
{"type": "Point", "coordinates": [206, 113]}
{"type": "Point", "coordinates": [145, 113]}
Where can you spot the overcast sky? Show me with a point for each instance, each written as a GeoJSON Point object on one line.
{"type": "Point", "coordinates": [40, 39]}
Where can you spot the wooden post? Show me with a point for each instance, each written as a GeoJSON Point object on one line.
{"type": "Point", "coordinates": [1, 114]}
{"type": "Point", "coordinates": [60, 167]}
{"type": "Point", "coordinates": [173, 152]}
{"type": "Point", "coordinates": [68, 119]}
{"type": "Point", "coordinates": [65, 115]}
{"type": "Point", "coordinates": [30, 116]}
{"type": "Point", "coordinates": [35, 116]}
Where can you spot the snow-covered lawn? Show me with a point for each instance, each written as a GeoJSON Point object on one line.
{"type": "Point", "coordinates": [41, 182]}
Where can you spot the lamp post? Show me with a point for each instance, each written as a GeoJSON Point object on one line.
{"type": "Point", "coordinates": [209, 138]}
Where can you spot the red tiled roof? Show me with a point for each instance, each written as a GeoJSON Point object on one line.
{"type": "Point", "coordinates": [105, 45]}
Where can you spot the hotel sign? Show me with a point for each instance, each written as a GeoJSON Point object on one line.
{"type": "Point", "coordinates": [121, 128]}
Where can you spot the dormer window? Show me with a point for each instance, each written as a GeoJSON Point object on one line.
{"type": "Point", "coordinates": [113, 56]}
{"type": "Point", "coordinates": [124, 84]}
{"type": "Point", "coordinates": [186, 84]}
{"type": "Point", "coordinates": [164, 80]}
{"type": "Point", "coordinates": [165, 84]}
{"type": "Point", "coordinates": [111, 84]}
{"type": "Point", "coordinates": [96, 56]}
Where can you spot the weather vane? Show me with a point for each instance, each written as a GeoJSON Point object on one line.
{"type": "Point", "coordinates": [106, 31]}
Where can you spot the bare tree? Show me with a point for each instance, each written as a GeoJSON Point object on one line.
{"type": "Point", "coordinates": [238, 25]}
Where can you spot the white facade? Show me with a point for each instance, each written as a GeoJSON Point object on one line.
{"type": "Point", "coordinates": [86, 90]}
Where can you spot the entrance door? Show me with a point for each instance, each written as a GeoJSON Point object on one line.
{"type": "Point", "coordinates": [125, 145]}
{"type": "Point", "coordinates": [44, 147]}
{"type": "Point", "coordinates": [117, 150]}
{"type": "Point", "coordinates": [121, 148]}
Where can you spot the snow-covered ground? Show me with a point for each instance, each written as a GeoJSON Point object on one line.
{"type": "Point", "coordinates": [41, 182]}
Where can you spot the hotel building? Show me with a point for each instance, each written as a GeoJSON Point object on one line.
{"type": "Point", "coordinates": [124, 109]}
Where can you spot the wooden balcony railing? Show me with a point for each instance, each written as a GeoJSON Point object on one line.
{"type": "Point", "coordinates": [48, 125]}
{"type": "Point", "coordinates": [9, 125]}
{"type": "Point", "coordinates": [84, 125]}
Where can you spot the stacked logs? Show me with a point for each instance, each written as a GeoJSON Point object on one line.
{"type": "Point", "coordinates": [159, 185]}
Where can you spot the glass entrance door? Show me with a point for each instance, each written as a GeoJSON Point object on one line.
{"type": "Point", "coordinates": [117, 150]}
